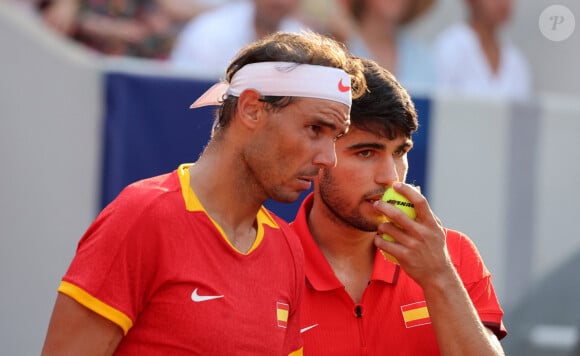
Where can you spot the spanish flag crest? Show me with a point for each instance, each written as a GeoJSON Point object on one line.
{"type": "Point", "coordinates": [282, 310]}
{"type": "Point", "coordinates": [415, 314]}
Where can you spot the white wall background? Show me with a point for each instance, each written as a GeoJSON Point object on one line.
{"type": "Point", "coordinates": [49, 134]}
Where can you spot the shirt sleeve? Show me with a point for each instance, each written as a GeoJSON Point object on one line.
{"type": "Point", "coordinates": [113, 271]}
{"type": "Point", "coordinates": [478, 281]}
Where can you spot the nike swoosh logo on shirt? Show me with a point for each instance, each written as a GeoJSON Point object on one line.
{"type": "Point", "coordinates": [303, 330]}
{"type": "Point", "coordinates": [203, 298]}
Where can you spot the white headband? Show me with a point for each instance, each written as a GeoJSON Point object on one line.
{"type": "Point", "coordinates": [283, 79]}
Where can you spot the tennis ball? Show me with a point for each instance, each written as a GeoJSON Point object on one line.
{"type": "Point", "coordinates": [403, 204]}
{"type": "Point", "coordinates": [400, 201]}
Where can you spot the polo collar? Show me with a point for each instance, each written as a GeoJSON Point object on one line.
{"type": "Point", "coordinates": [318, 271]}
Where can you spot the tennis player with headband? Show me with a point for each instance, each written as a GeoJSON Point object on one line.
{"type": "Point", "coordinates": [190, 262]}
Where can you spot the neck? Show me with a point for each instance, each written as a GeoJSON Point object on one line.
{"type": "Point", "coordinates": [215, 179]}
{"type": "Point", "coordinates": [486, 32]}
{"type": "Point", "coordinates": [350, 252]}
{"type": "Point", "coordinates": [489, 43]}
{"type": "Point", "coordinates": [336, 239]}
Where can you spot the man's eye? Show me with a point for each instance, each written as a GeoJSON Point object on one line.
{"type": "Point", "coordinates": [399, 153]}
{"type": "Point", "coordinates": [365, 154]}
{"type": "Point", "coordinates": [315, 128]}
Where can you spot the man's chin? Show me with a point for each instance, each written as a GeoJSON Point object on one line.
{"type": "Point", "coordinates": [286, 197]}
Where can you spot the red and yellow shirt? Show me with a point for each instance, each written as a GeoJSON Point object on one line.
{"type": "Point", "coordinates": [157, 265]}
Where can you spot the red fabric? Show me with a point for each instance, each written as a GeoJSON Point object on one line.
{"type": "Point", "coordinates": [377, 326]}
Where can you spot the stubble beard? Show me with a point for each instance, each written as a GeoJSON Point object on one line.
{"type": "Point", "coordinates": [264, 177]}
{"type": "Point", "coordinates": [338, 206]}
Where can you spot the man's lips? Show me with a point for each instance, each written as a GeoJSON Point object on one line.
{"type": "Point", "coordinates": [373, 198]}
{"type": "Point", "coordinates": [306, 181]}
{"type": "Point", "coordinates": [306, 178]}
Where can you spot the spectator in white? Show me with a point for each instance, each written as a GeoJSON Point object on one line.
{"type": "Point", "coordinates": [208, 42]}
{"type": "Point", "coordinates": [472, 58]}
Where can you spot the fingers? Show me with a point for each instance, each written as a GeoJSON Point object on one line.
{"type": "Point", "coordinates": [398, 220]}
{"type": "Point", "coordinates": [419, 245]}
{"type": "Point", "coordinates": [415, 197]}
{"type": "Point", "coordinates": [420, 204]}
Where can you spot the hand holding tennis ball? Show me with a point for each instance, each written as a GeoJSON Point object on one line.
{"type": "Point", "coordinates": [401, 202]}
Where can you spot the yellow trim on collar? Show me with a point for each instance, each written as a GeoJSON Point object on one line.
{"type": "Point", "coordinates": [192, 203]}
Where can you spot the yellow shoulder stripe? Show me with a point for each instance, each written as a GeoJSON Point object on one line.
{"type": "Point", "coordinates": [92, 303]}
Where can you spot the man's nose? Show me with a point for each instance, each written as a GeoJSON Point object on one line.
{"type": "Point", "coordinates": [326, 157]}
{"type": "Point", "coordinates": [386, 173]}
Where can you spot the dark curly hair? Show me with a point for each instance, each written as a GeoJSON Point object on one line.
{"type": "Point", "coordinates": [386, 105]}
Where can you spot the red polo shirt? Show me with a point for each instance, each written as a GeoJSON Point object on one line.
{"type": "Point", "coordinates": [392, 318]}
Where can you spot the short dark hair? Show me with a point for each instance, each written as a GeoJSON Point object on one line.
{"type": "Point", "coordinates": [304, 48]}
{"type": "Point", "coordinates": [385, 106]}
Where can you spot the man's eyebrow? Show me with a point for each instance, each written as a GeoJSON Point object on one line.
{"type": "Point", "coordinates": [407, 144]}
{"type": "Point", "coordinates": [332, 126]}
{"type": "Point", "coordinates": [361, 145]}
{"type": "Point", "coordinates": [326, 123]}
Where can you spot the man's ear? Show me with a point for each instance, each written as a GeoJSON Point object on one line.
{"type": "Point", "coordinates": [249, 107]}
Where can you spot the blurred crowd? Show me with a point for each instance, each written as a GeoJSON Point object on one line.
{"type": "Point", "coordinates": [470, 57]}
